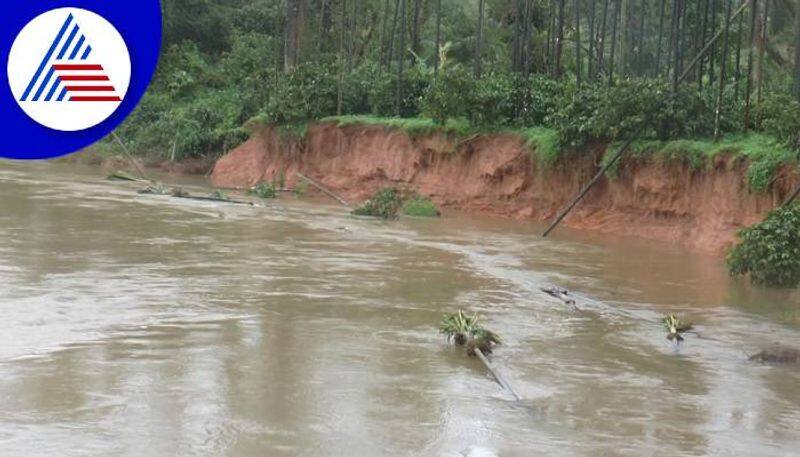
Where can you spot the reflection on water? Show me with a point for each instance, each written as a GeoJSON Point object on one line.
{"type": "Point", "coordinates": [142, 325]}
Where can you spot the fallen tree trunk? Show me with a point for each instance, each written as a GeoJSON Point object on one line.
{"type": "Point", "coordinates": [497, 375]}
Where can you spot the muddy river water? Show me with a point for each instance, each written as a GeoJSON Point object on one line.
{"type": "Point", "coordinates": [141, 325]}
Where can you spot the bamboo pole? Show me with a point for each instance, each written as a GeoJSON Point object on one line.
{"type": "Point", "coordinates": [130, 157]}
{"type": "Point", "coordinates": [323, 189]}
{"type": "Point", "coordinates": [497, 375]}
{"type": "Point", "coordinates": [638, 130]}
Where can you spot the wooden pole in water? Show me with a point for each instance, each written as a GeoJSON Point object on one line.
{"type": "Point", "coordinates": [622, 150]}
{"type": "Point", "coordinates": [497, 376]}
{"type": "Point", "coordinates": [323, 189]}
{"type": "Point", "coordinates": [129, 156]}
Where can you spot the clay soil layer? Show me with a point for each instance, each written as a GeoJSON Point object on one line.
{"type": "Point", "coordinates": [498, 174]}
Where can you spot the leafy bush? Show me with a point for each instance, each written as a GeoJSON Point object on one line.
{"type": "Point", "coordinates": [382, 95]}
{"type": "Point", "coordinates": [263, 190]}
{"type": "Point", "coordinates": [601, 113]}
{"type": "Point", "coordinates": [385, 203]}
{"type": "Point", "coordinates": [444, 98]}
{"type": "Point", "coordinates": [770, 251]}
{"type": "Point", "coordinates": [309, 92]}
{"type": "Point", "coordinates": [420, 207]}
{"type": "Point", "coordinates": [779, 114]}
{"type": "Point", "coordinates": [538, 99]}
{"type": "Point", "coordinates": [494, 101]}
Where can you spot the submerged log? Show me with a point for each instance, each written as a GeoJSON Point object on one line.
{"type": "Point", "coordinates": [497, 375]}
{"type": "Point", "coordinates": [777, 354]}
{"type": "Point", "coordinates": [561, 294]}
{"type": "Point", "coordinates": [214, 199]}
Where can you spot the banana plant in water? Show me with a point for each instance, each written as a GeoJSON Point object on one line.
{"type": "Point", "coordinates": [463, 329]}
{"type": "Point", "coordinates": [675, 327]}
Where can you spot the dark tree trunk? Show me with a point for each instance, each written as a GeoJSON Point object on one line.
{"type": "Point", "coordinates": [340, 77]}
{"type": "Point", "coordinates": [762, 46]}
{"type": "Point", "coordinates": [640, 40]}
{"type": "Point", "coordinates": [676, 21]}
{"type": "Point", "coordinates": [796, 87]}
{"type": "Point", "coordinates": [624, 36]}
{"type": "Point", "coordinates": [722, 67]}
{"type": "Point", "coordinates": [712, 55]}
{"type": "Point", "coordinates": [592, 42]}
{"type": "Point", "coordinates": [672, 37]}
{"type": "Point", "coordinates": [295, 18]}
{"type": "Point", "coordinates": [384, 26]}
{"type": "Point", "coordinates": [661, 15]}
{"type": "Point", "coordinates": [702, 64]}
{"type": "Point", "coordinates": [578, 69]}
{"type": "Point", "coordinates": [749, 86]}
{"type": "Point", "coordinates": [393, 35]}
{"type": "Point", "coordinates": [351, 46]}
{"type": "Point", "coordinates": [401, 58]}
{"type": "Point", "coordinates": [601, 39]}
{"type": "Point", "coordinates": [479, 40]}
{"type": "Point", "coordinates": [438, 34]}
{"type": "Point", "coordinates": [611, 57]}
{"type": "Point", "coordinates": [738, 63]}
{"type": "Point", "coordinates": [415, 26]}
{"type": "Point", "coordinates": [559, 44]}
{"type": "Point", "coordinates": [550, 34]}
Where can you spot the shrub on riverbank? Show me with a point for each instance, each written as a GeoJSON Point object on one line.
{"type": "Point", "coordinates": [385, 203]}
{"type": "Point", "coordinates": [769, 252]}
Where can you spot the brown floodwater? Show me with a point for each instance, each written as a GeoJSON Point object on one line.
{"type": "Point", "coordinates": [142, 325]}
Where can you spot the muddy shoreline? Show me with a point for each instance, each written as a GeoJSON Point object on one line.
{"type": "Point", "coordinates": [498, 175]}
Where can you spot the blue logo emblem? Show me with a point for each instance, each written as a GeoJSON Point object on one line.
{"type": "Point", "coordinates": [74, 72]}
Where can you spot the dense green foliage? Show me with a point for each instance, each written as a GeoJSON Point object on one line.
{"type": "Point", "coordinates": [385, 203]}
{"type": "Point", "coordinates": [770, 251]}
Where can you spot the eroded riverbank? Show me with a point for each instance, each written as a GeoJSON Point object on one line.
{"type": "Point", "coordinates": [657, 200]}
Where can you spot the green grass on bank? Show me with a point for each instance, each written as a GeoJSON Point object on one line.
{"type": "Point", "coordinates": [764, 153]}
{"type": "Point", "coordinates": [542, 141]}
{"type": "Point", "coordinates": [413, 126]}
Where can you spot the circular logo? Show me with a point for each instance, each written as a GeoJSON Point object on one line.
{"type": "Point", "coordinates": [69, 69]}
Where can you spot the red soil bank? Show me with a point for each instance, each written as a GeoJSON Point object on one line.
{"type": "Point", "coordinates": [497, 174]}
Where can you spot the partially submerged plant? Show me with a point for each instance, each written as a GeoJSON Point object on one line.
{"type": "Point", "coordinates": [420, 207]}
{"type": "Point", "coordinates": [385, 203]}
{"type": "Point", "coordinates": [464, 330]}
{"type": "Point", "coordinates": [155, 189]}
{"type": "Point", "coordinates": [219, 195]}
{"type": "Point", "coordinates": [263, 190]}
{"type": "Point", "coordinates": [675, 327]}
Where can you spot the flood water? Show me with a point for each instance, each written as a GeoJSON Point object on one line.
{"type": "Point", "coordinates": [143, 325]}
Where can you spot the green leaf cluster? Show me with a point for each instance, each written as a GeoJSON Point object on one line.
{"type": "Point", "coordinates": [769, 252]}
